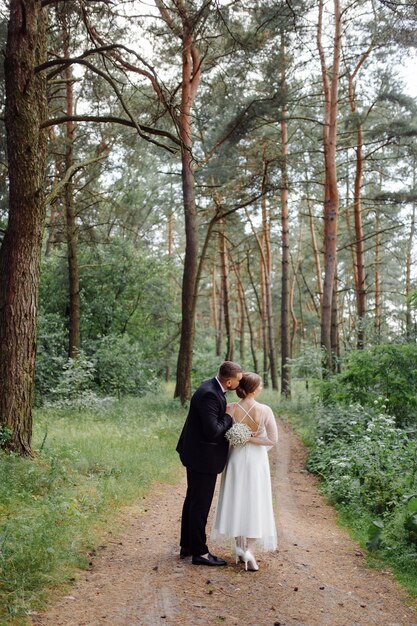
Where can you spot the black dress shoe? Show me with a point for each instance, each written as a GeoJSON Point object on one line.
{"type": "Point", "coordinates": [208, 560]}
{"type": "Point", "coordinates": [184, 553]}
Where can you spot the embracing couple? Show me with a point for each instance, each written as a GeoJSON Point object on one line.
{"type": "Point", "coordinates": [244, 512]}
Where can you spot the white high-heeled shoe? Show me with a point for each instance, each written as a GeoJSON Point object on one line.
{"type": "Point", "coordinates": [250, 562]}
{"type": "Point", "coordinates": [240, 554]}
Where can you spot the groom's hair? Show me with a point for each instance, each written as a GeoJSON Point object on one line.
{"type": "Point", "coordinates": [228, 369]}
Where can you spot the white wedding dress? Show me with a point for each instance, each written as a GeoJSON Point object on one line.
{"type": "Point", "coordinates": [244, 507]}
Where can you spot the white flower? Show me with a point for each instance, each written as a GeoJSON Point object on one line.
{"type": "Point", "coordinates": [238, 434]}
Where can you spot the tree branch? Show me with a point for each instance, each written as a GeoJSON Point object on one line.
{"type": "Point", "coordinates": [69, 174]}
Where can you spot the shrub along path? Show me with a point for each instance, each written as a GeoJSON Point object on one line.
{"type": "Point", "coordinates": [318, 577]}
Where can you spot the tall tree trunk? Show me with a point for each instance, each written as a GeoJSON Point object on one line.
{"type": "Point", "coordinates": [248, 318]}
{"type": "Point", "coordinates": [316, 253]}
{"type": "Point", "coordinates": [294, 280]}
{"type": "Point", "coordinates": [21, 248]}
{"type": "Point", "coordinates": [191, 73]}
{"type": "Point", "coordinates": [263, 299]}
{"type": "Point", "coordinates": [408, 264]}
{"type": "Point", "coordinates": [241, 313]}
{"type": "Point", "coordinates": [267, 260]}
{"type": "Point", "coordinates": [215, 312]}
{"type": "Point", "coordinates": [169, 234]}
{"type": "Point", "coordinates": [331, 195]}
{"type": "Point", "coordinates": [378, 307]}
{"type": "Point", "coordinates": [285, 242]}
{"type": "Point", "coordinates": [264, 324]}
{"type": "Point", "coordinates": [224, 272]}
{"type": "Point", "coordinates": [335, 327]}
{"type": "Point", "coordinates": [259, 307]}
{"type": "Point", "coordinates": [357, 208]}
{"type": "Point", "coordinates": [72, 231]}
{"type": "Point", "coordinates": [55, 214]}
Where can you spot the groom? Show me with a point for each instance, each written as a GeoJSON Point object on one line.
{"type": "Point", "coordinates": [203, 450]}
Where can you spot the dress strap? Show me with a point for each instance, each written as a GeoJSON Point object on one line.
{"type": "Point", "coordinates": [247, 412]}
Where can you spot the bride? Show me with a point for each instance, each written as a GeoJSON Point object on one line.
{"type": "Point", "coordinates": [244, 509]}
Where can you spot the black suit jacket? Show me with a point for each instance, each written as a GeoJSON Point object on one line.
{"type": "Point", "coordinates": [202, 445]}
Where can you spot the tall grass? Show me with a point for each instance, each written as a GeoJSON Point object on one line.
{"type": "Point", "coordinates": [89, 464]}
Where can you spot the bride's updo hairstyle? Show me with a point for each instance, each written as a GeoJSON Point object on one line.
{"type": "Point", "coordinates": [248, 384]}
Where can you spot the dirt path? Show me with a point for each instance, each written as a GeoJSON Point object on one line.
{"type": "Point", "coordinates": [317, 578]}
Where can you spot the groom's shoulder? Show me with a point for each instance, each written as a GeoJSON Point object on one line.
{"type": "Point", "coordinates": [207, 386]}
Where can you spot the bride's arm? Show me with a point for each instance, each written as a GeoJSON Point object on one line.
{"type": "Point", "coordinates": [270, 434]}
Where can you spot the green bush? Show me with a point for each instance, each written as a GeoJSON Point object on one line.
{"type": "Point", "coordinates": [367, 463]}
{"type": "Point", "coordinates": [387, 371]}
{"type": "Point", "coordinates": [121, 368]}
{"type": "Point", "coordinates": [51, 354]}
{"type": "Point", "coordinates": [128, 302]}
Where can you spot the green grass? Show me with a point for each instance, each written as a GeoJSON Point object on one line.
{"type": "Point", "coordinates": [54, 508]}
{"type": "Point", "coordinates": [401, 559]}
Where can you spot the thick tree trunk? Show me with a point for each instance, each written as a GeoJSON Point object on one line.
{"type": "Point", "coordinates": [191, 72]}
{"type": "Point", "coordinates": [21, 248]}
{"type": "Point", "coordinates": [331, 195]}
{"type": "Point", "coordinates": [185, 355]}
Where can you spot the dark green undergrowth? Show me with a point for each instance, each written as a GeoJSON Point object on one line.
{"type": "Point", "coordinates": [89, 464]}
{"type": "Point", "coordinates": [368, 471]}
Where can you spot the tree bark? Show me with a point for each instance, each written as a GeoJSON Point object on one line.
{"type": "Point", "coordinates": [408, 264]}
{"type": "Point", "coordinates": [285, 242]}
{"type": "Point", "coordinates": [74, 340]}
{"type": "Point", "coordinates": [246, 311]}
{"type": "Point", "coordinates": [378, 307]}
{"type": "Point", "coordinates": [224, 272]}
{"type": "Point", "coordinates": [191, 72]}
{"type": "Point", "coordinates": [335, 328]}
{"type": "Point", "coordinates": [293, 281]}
{"type": "Point", "coordinates": [21, 248]}
{"type": "Point", "coordinates": [241, 313]}
{"type": "Point", "coordinates": [267, 261]}
{"type": "Point", "coordinates": [359, 272]}
{"type": "Point", "coordinates": [331, 195]}
{"type": "Point", "coordinates": [316, 253]}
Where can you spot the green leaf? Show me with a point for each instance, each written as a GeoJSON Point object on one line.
{"type": "Point", "coordinates": [412, 505]}
{"type": "Point", "coordinates": [375, 530]}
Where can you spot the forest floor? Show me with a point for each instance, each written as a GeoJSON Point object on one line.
{"type": "Point", "coordinates": [318, 576]}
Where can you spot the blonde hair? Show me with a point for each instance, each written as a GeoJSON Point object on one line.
{"type": "Point", "coordinates": [248, 384]}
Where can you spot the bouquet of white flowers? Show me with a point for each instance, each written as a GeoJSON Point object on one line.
{"type": "Point", "coordinates": [238, 434]}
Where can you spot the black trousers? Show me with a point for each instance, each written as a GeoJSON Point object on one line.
{"type": "Point", "coordinates": [200, 490]}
